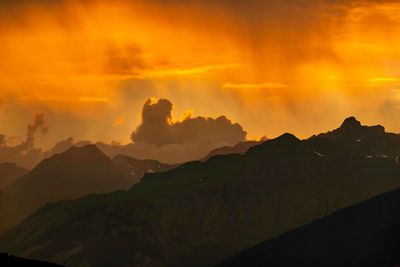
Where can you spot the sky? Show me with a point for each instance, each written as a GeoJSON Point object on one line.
{"type": "Point", "coordinates": [268, 67]}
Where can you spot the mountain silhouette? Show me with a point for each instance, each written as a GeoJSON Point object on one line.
{"type": "Point", "coordinates": [74, 173]}
{"type": "Point", "coordinates": [373, 141]}
{"type": "Point", "coordinates": [363, 235]}
{"type": "Point", "coordinates": [239, 148]}
{"type": "Point", "coordinates": [10, 172]}
{"type": "Point", "coordinates": [202, 212]}
{"type": "Point", "coordinates": [12, 261]}
{"type": "Point", "coordinates": [135, 169]}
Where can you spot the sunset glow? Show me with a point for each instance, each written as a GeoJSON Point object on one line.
{"type": "Point", "coordinates": [272, 66]}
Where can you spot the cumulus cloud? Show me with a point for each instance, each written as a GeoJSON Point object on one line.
{"type": "Point", "coordinates": [157, 137]}
{"type": "Point", "coordinates": [158, 128]}
{"type": "Point", "coordinates": [160, 137]}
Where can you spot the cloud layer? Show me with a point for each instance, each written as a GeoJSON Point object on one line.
{"type": "Point", "coordinates": [158, 128]}
{"type": "Point", "coordinates": [157, 137]}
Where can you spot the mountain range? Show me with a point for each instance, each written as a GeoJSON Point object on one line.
{"type": "Point", "coordinates": [77, 172]}
{"type": "Point", "coordinates": [239, 148]}
{"type": "Point", "coordinates": [200, 213]}
{"type": "Point", "coordinates": [10, 172]}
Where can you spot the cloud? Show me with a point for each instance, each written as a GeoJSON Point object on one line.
{"type": "Point", "coordinates": [38, 124]}
{"type": "Point", "coordinates": [24, 153]}
{"type": "Point", "coordinates": [120, 119]}
{"type": "Point", "coordinates": [158, 128]}
{"type": "Point", "coordinates": [160, 137]}
{"type": "Point", "coordinates": [59, 147]}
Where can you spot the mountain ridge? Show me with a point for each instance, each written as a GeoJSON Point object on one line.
{"type": "Point", "coordinates": [9, 172]}
{"type": "Point", "coordinates": [201, 212]}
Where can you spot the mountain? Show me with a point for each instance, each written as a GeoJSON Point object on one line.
{"type": "Point", "coordinates": [12, 261]}
{"type": "Point", "coordinates": [71, 174]}
{"type": "Point", "coordinates": [135, 169]}
{"type": "Point", "coordinates": [9, 172]}
{"type": "Point", "coordinates": [239, 148]}
{"type": "Point", "coordinates": [366, 234]}
{"type": "Point", "coordinates": [202, 212]}
{"type": "Point", "coordinates": [372, 141]}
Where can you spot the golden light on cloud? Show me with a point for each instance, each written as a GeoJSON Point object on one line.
{"type": "Point", "coordinates": [287, 60]}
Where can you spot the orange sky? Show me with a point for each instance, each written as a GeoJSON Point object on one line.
{"type": "Point", "coordinates": [272, 66]}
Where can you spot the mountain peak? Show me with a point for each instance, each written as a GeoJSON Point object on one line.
{"type": "Point", "coordinates": [84, 150]}
{"type": "Point", "coordinates": [87, 148]}
{"type": "Point", "coordinates": [287, 137]}
{"type": "Point", "coordinates": [350, 123]}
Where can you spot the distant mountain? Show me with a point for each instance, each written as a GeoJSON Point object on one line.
{"type": "Point", "coordinates": [71, 174]}
{"type": "Point", "coordinates": [239, 148]}
{"type": "Point", "coordinates": [9, 172]}
{"type": "Point", "coordinates": [372, 141]}
{"type": "Point", "coordinates": [202, 212]}
{"type": "Point", "coordinates": [366, 234]}
{"type": "Point", "coordinates": [135, 169]}
{"type": "Point", "coordinates": [11, 261]}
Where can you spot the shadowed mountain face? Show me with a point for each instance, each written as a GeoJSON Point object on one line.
{"type": "Point", "coordinates": [10, 172]}
{"type": "Point", "coordinates": [135, 169]}
{"type": "Point", "coordinates": [200, 213]}
{"type": "Point", "coordinates": [373, 141]}
{"type": "Point", "coordinates": [239, 148]}
{"type": "Point", "coordinates": [72, 174]}
{"type": "Point", "coordinates": [366, 234]}
{"type": "Point", "coordinates": [11, 261]}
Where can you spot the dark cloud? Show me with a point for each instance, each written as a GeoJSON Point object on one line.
{"type": "Point", "coordinates": [158, 137]}
{"type": "Point", "coordinates": [39, 124]}
{"type": "Point", "coordinates": [157, 127]}
{"type": "Point", "coordinates": [24, 154]}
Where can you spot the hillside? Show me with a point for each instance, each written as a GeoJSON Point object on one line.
{"type": "Point", "coordinates": [135, 169]}
{"type": "Point", "coordinates": [239, 148]}
{"type": "Point", "coordinates": [366, 234]}
{"type": "Point", "coordinates": [200, 213]}
{"type": "Point", "coordinates": [10, 172]}
{"type": "Point", "coordinates": [71, 174]}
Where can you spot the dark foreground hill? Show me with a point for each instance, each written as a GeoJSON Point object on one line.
{"type": "Point", "coordinates": [200, 213]}
{"type": "Point", "coordinates": [366, 234]}
{"type": "Point", "coordinates": [10, 172]}
{"type": "Point", "coordinates": [12, 261]}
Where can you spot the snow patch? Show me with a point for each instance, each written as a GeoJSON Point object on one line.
{"type": "Point", "coordinates": [319, 154]}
